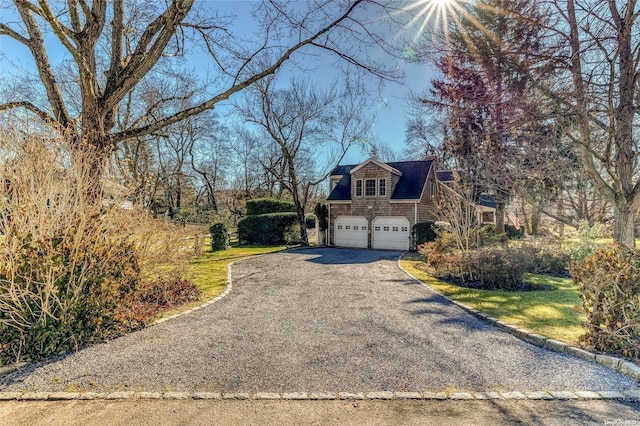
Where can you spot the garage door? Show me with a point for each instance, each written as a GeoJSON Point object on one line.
{"type": "Point", "coordinates": [351, 231]}
{"type": "Point", "coordinates": [391, 233]}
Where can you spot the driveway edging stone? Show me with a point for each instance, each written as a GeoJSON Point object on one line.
{"type": "Point", "coordinates": [629, 394]}
{"type": "Point", "coordinates": [620, 365]}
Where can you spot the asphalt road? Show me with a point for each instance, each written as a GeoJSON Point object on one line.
{"type": "Point", "coordinates": [319, 320]}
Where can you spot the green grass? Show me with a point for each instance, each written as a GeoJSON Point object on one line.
{"type": "Point", "coordinates": [209, 272]}
{"type": "Point", "coordinates": [551, 313]}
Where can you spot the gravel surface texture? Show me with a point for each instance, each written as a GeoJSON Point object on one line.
{"type": "Point", "coordinates": [319, 320]}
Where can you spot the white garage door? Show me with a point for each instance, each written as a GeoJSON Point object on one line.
{"type": "Point", "coordinates": [391, 232]}
{"type": "Point", "coordinates": [351, 231]}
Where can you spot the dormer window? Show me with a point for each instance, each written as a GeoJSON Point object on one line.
{"type": "Point", "coordinates": [370, 187]}
{"type": "Point", "coordinates": [382, 187]}
{"type": "Point", "coordinates": [359, 188]}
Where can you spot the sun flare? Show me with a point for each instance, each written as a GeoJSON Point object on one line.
{"type": "Point", "coordinates": [436, 15]}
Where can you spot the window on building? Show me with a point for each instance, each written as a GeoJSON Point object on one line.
{"type": "Point", "coordinates": [395, 229]}
{"type": "Point", "coordinates": [347, 227]}
{"type": "Point", "coordinates": [364, 228]}
{"type": "Point", "coordinates": [382, 187]}
{"type": "Point", "coordinates": [377, 228]}
{"type": "Point", "coordinates": [405, 229]}
{"type": "Point", "coordinates": [370, 187]}
{"type": "Point", "coordinates": [359, 188]}
{"type": "Point", "coordinates": [386, 228]}
{"type": "Point", "coordinates": [355, 227]}
{"type": "Point", "coordinates": [339, 226]}
{"type": "Point", "coordinates": [432, 189]}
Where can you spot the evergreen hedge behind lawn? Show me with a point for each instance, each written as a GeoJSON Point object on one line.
{"type": "Point", "coordinates": [261, 206]}
{"type": "Point", "coordinates": [268, 229]}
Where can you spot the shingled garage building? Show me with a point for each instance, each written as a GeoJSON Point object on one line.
{"type": "Point", "coordinates": [376, 204]}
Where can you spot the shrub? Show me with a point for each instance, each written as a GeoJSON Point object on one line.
{"type": "Point", "coordinates": [261, 206]}
{"type": "Point", "coordinates": [551, 261]}
{"type": "Point", "coordinates": [195, 215]}
{"type": "Point", "coordinates": [61, 292]}
{"type": "Point", "coordinates": [513, 233]}
{"type": "Point", "coordinates": [587, 240]}
{"type": "Point", "coordinates": [499, 267]}
{"type": "Point", "coordinates": [143, 305]}
{"type": "Point", "coordinates": [488, 235]}
{"type": "Point", "coordinates": [322, 213]}
{"type": "Point", "coordinates": [268, 229]}
{"type": "Point", "coordinates": [219, 236]}
{"type": "Point", "coordinates": [423, 232]}
{"type": "Point", "coordinates": [67, 260]}
{"type": "Point", "coordinates": [447, 241]}
{"type": "Point", "coordinates": [609, 285]}
{"type": "Point", "coordinates": [310, 222]}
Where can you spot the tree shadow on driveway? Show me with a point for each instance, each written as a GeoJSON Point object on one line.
{"type": "Point", "coordinates": [344, 256]}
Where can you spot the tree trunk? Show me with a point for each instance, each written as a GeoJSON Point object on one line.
{"type": "Point", "coordinates": [623, 225]}
{"type": "Point", "coordinates": [500, 217]}
{"type": "Point", "coordinates": [89, 163]}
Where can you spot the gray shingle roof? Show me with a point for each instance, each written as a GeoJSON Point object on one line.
{"type": "Point", "coordinates": [409, 187]}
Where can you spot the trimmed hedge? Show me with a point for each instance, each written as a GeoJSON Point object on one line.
{"type": "Point", "coordinates": [322, 213]}
{"type": "Point", "coordinates": [268, 229]}
{"type": "Point", "coordinates": [261, 206]}
{"type": "Point", "coordinates": [219, 236]}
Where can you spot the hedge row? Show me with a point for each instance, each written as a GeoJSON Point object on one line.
{"type": "Point", "coordinates": [268, 229]}
{"type": "Point", "coordinates": [261, 206]}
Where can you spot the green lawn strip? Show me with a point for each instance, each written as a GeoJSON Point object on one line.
{"type": "Point", "coordinates": [551, 313]}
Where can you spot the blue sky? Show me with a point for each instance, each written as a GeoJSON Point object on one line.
{"type": "Point", "coordinates": [389, 107]}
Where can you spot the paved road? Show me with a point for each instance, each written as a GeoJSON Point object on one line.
{"type": "Point", "coordinates": [297, 413]}
{"type": "Point", "coordinates": [320, 320]}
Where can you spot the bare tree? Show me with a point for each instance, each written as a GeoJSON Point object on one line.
{"type": "Point", "coordinates": [604, 66]}
{"type": "Point", "coordinates": [300, 121]}
{"type": "Point", "coordinates": [115, 46]}
{"type": "Point", "coordinates": [210, 155]}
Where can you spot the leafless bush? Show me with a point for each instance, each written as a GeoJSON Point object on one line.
{"type": "Point", "coordinates": [67, 257]}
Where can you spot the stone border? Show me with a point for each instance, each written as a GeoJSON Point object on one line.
{"type": "Point", "coordinates": [205, 304]}
{"type": "Point", "coordinates": [620, 365]}
{"type": "Point", "coordinates": [629, 394]}
{"type": "Point", "coordinates": [14, 367]}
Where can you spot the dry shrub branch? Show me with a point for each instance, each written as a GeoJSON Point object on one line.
{"type": "Point", "coordinates": [69, 261]}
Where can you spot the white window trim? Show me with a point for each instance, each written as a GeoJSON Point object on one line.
{"type": "Point", "coordinates": [361, 188]}
{"type": "Point", "coordinates": [378, 187]}
{"type": "Point", "coordinates": [375, 187]}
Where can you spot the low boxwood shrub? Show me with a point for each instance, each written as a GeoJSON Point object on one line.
{"type": "Point", "coordinates": [609, 285]}
{"type": "Point", "coordinates": [219, 236]}
{"type": "Point", "coordinates": [261, 206]}
{"type": "Point", "coordinates": [268, 229]}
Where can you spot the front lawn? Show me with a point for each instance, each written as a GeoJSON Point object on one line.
{"type": "Point", "coordinates": [551, 313]}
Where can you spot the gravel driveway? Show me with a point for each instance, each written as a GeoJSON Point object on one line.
{"type": "Point", "coordinates": [320, 320]}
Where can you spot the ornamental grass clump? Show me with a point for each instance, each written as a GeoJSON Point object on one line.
{"type": "Point", "coordinates": [71, 258]}
{"type": "Point", "coordinates": [609, 285]}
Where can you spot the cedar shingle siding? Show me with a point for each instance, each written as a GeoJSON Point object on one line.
{"type": "Point", "coordinates": [407, 191]}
